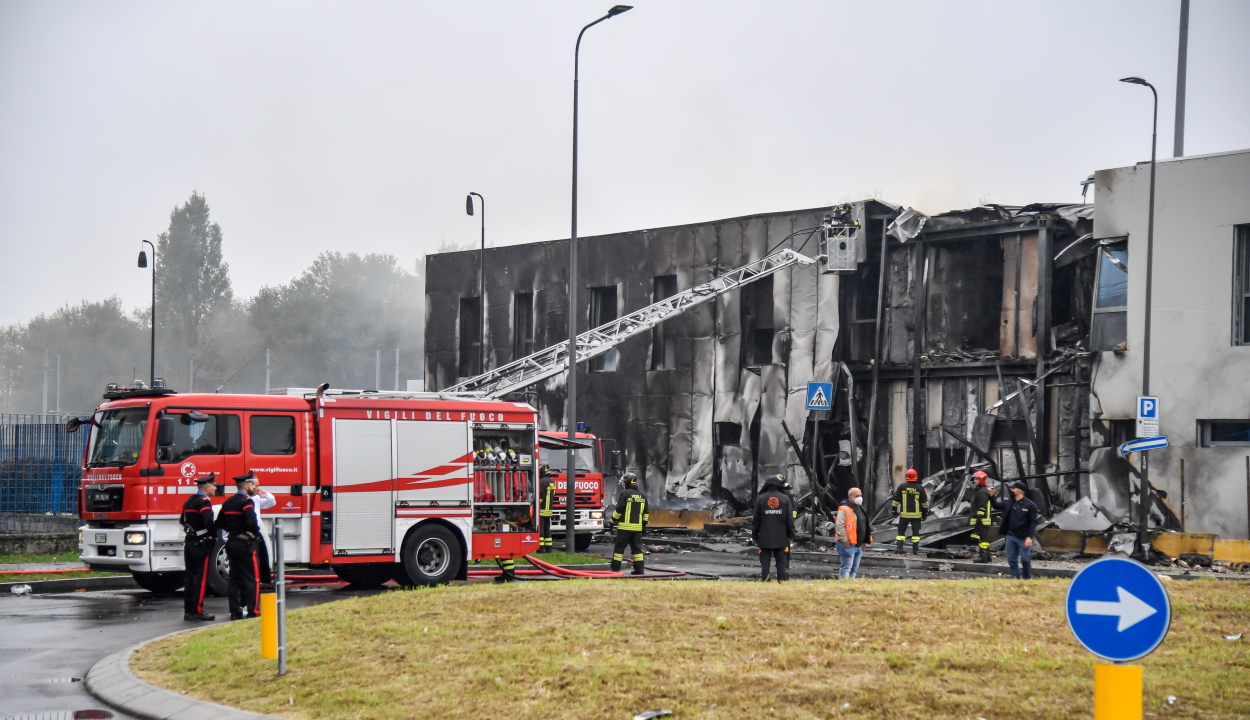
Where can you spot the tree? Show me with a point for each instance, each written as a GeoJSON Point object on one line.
{"type": "Point", "coordinates": [192, 283]}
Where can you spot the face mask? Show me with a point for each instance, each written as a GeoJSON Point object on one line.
{"type": "Point", "coordinates": [858, 500]}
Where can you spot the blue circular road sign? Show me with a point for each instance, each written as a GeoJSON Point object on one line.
{"type": "Point", "coordinates": [1118, 609]}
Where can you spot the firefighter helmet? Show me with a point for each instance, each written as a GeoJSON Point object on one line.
{"type": "Point", "coordinates": [912, 474]}
{"type": "Point", "coordinates": [629, 480]}
{"type": "Point", "coordinates": [545, 471]}
{"type": "Point", "coordinates": [980, 477]}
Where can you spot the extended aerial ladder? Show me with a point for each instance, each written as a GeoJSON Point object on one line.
{"type": "Point", "coordinates": [554, 360]}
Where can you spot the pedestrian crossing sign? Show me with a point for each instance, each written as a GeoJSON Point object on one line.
{"type": "Point", "coordinates": [819, 395]}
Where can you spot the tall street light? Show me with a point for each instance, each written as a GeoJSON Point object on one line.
{"type": "Point", "coordinates": [143, 262]}
{"type": "Point", "coordinates": [481, 282]}
{"type": "Point", "coordinates": [1143, 530]}
{"type": "Point", "coordinates": [570, 467]}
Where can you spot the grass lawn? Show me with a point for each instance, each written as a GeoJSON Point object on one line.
{"type": "Point", "coordinates": [39, 558]}
{"type": "Point", "coordinates": [10, 577]}
{"type": "Point", "coordinates": [894, 649]}
{"type": "Point", "coordinates": [559, 558]}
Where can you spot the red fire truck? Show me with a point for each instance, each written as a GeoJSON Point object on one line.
{"type": "Point", "coordinates": [377, 486]}
{"type": "Point", "coordinates": [588, 489]}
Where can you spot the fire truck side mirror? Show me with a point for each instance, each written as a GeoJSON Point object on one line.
{"type": "Point", "coordinates": [165, 432]}
{"type": "Point", "coordinates": [73, 424]}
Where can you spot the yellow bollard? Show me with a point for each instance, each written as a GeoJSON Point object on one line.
{"type": "Point", "coordinates": [1117, 692]}
{"type": "Point", "coordinates": [269, 626]}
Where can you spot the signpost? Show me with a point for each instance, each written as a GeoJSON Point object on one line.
{"type": "Point", "coordinates": [819, 395]}
{"type": "Point", "coordinates": [1147, 416]}
{"type": "Point", "coordinates": [1120, 612]}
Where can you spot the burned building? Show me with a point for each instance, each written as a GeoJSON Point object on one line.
{"type": "Point", "coordinates": [999, 337]}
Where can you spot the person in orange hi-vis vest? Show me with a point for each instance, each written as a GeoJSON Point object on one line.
{"type": "Point", "coordinates": [853, 533]}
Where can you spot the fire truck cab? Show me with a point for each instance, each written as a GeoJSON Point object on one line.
{"type": "Point", "coordinates": [593, 464]}
{"type": "Point", "coordinates": [376, 486]}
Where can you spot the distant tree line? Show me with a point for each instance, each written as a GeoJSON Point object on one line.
{"type": "Point", "coordinates": [327, 325]}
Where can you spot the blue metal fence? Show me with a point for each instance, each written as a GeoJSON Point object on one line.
{"type": "Point", "coordinates": [40, 464]}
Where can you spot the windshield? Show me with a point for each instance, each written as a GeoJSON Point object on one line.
{"type": "Point", "coordinates": [558, 459]}
{"type": "Point", "coordinates": [117, 436]}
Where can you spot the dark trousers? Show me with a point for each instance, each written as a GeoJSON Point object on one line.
{"type": "Point", "coordinates": [782, 556]}
{"type": "Point", "coordinates": [544, 533]}
{"type": "Point", "coordinates": [902, 529]}
{"type": "Point", "coordinates": [264, 565]}
{"type": "Point", "coordinates": [632, 538]}
{"type": "Point", "coordinates": [244, 567]}
{"type": "Point", "coordinates": [196, 555]}
{"type": "Point", "coordinates": [980, 534]}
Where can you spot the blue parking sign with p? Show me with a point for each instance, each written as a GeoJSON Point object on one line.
{"type": "Point", "coordinates": [1147, 407]}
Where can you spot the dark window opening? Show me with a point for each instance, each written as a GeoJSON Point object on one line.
{"type": "Point", "coordinates": [603, 311]}
{"type": "Point", "coordinates": [863, 311]}
{"type": "Point", "coordinates": [522, 325]}
{"type": "Point", "coordinates": [663, 345]}
{"type": "Point", "coordinates": [1109, 326]}
{"type": "Point", "coordinates": [757, 323]}
{"type": "Point", "coordinates": [1241, 287]}
{"type": "Point", "coordinates": [470, 337]}
{"type": "Point", "coordinates": [272, 434]}
{"type": "Point", "coordinates": [1216, 433]}
{"type": "Point", "coordinates": [191, 438]}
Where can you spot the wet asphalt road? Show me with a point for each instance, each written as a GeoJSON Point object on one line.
{"type": "Point", "coordinates": [49, 642]}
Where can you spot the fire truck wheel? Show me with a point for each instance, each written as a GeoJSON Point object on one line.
{"type": "Point", "coordinates": [219, 571]}
{"type": "Point", "coordinates": [431, 555]}
{"type": "Point", "coordinates": [161, 583]}
{"type": "Point", "coordinates": [581, 542]}
{"type": "Point", "coordinates": [365, 576]}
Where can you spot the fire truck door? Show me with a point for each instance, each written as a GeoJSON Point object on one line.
{"type": "Point", "coordinates": [434, 462]}
{"type": "Point", "coordinates": [364, 502]}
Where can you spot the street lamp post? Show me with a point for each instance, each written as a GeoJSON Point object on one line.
{"type": "Point", "coordinates": [1143, 529]}
{"type": "Point", "coordinates": [570, 467]}
{"type": "Point", "coordinates": [143, 262]}
{"type": "Point", "coordinates": [481, 282]}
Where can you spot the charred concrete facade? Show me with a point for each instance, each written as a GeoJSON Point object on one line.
{"type": "Point", "coordinates": [1200, 348]}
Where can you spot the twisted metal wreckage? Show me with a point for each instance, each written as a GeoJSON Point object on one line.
{"type": "Point", "coordinates": [957, 342]}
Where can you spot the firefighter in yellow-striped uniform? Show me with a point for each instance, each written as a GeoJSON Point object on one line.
{"type": "Point", "coordinates": [912, 505]}
{"type": "Point", "coordinates": [982, 504]}
{"type": "Point", "coordinates": [546, 498]}
{"type": "Point", "coordinates": [630, 519]}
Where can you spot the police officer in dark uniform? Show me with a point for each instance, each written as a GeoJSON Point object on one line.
{"type": "Point", "coordinates": [982, 504]}
{"type": "Point", "coordinates": [772, 528]}
{"type": "Point", "coordinates": [546, 498]}
{"type": "Point", "coordinates": [239, 521]}
{"type": "Point", "coordinates": [631, 519]}
{"type": "Point", "coordinates": [912, 504]}
{"type": "Point", "coordinates": [197, 548]}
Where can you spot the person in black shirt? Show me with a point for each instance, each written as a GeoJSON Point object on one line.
{"type": "Point", "coordinates": [197, 548]}
{"type": "Point", "coordinates": [772, 528]}
{"type": "Point", "coordinates": [1019, 525]}
{"type": "Point", "coordinates": [242, 527]}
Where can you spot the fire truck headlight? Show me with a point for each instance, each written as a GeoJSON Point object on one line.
{"type": "Point", "coordinates": [596, 515]}
{"type": "Point", "coordinates": [136, 538]}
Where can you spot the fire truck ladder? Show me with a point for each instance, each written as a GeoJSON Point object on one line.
{"type": "Point", "coordinates": [554, 360]}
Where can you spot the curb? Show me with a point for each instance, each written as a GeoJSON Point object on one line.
{"type": "Point", "coordinates": [916, 563]}
{"type": "Point", "coordinates": [111, 682]}
{"type": "Point", "coordinates": [112, 582]}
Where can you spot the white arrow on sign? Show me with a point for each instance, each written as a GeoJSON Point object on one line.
{"type": "Point", "coordinates": [1130, 609]}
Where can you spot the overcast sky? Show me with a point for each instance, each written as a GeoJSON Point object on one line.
{"type": "Point", "coordinates": [314, 126]}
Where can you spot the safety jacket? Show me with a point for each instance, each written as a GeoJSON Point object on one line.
{"type": "Point", "coordinates": [772, 527]}
{"type": "Point", "coordinates": [848, 527]}
{"type": "Point", "coordinates": [546, 496]}
{"type": "Point", "coordinates": [982, 504]}
{"type": "Point", "coordinates": [910, 500]}
{"type": "Point", "coordinates": [631, 511]}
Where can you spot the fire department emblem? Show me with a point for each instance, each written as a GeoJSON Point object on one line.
{"type": "Point", "coordinates": [774, 503]}
{"type": "Point", "coordinates": [188, 469]}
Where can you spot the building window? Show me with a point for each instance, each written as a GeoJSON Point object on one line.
{"type": "Point", "coordinates": [1109, 326]}
{"type": "Point", "coordinates": [1241, 286]}
{"type": "Point", "coordinates": [663, 345]}
{"type": "Point", "coordinates": [863, 313]}
{"type": "Point", "coordinates": [469, 363]}
{"type": "Point", "coordinates": [1217, 433]}
{"type": "Point", "coordinates": [603, 311]}
{"type": "Point", "coordinates": [522, 325]}
{"type": "Point", "coordinates": [757, 323]}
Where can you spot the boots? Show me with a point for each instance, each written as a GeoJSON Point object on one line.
{"type": "Point", "coordinates": [983, 555]}
{"type": "Point", "coordinates": [915, 547]}
{"type": "Point", "coordinates": [898, 547]}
